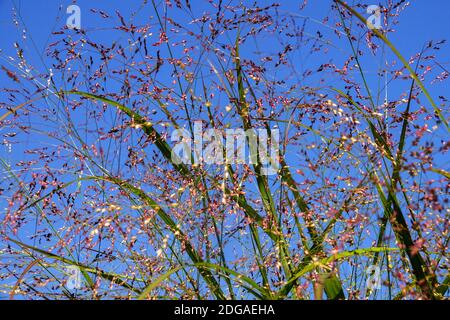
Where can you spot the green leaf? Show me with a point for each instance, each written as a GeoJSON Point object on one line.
{"type": "Point", "coordinates": [442, 172]}
{"type": "Point", "coordinates": [308, 267]}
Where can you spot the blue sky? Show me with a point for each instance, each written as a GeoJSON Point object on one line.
{"type": "Point", "coordinates": [421, 22]}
